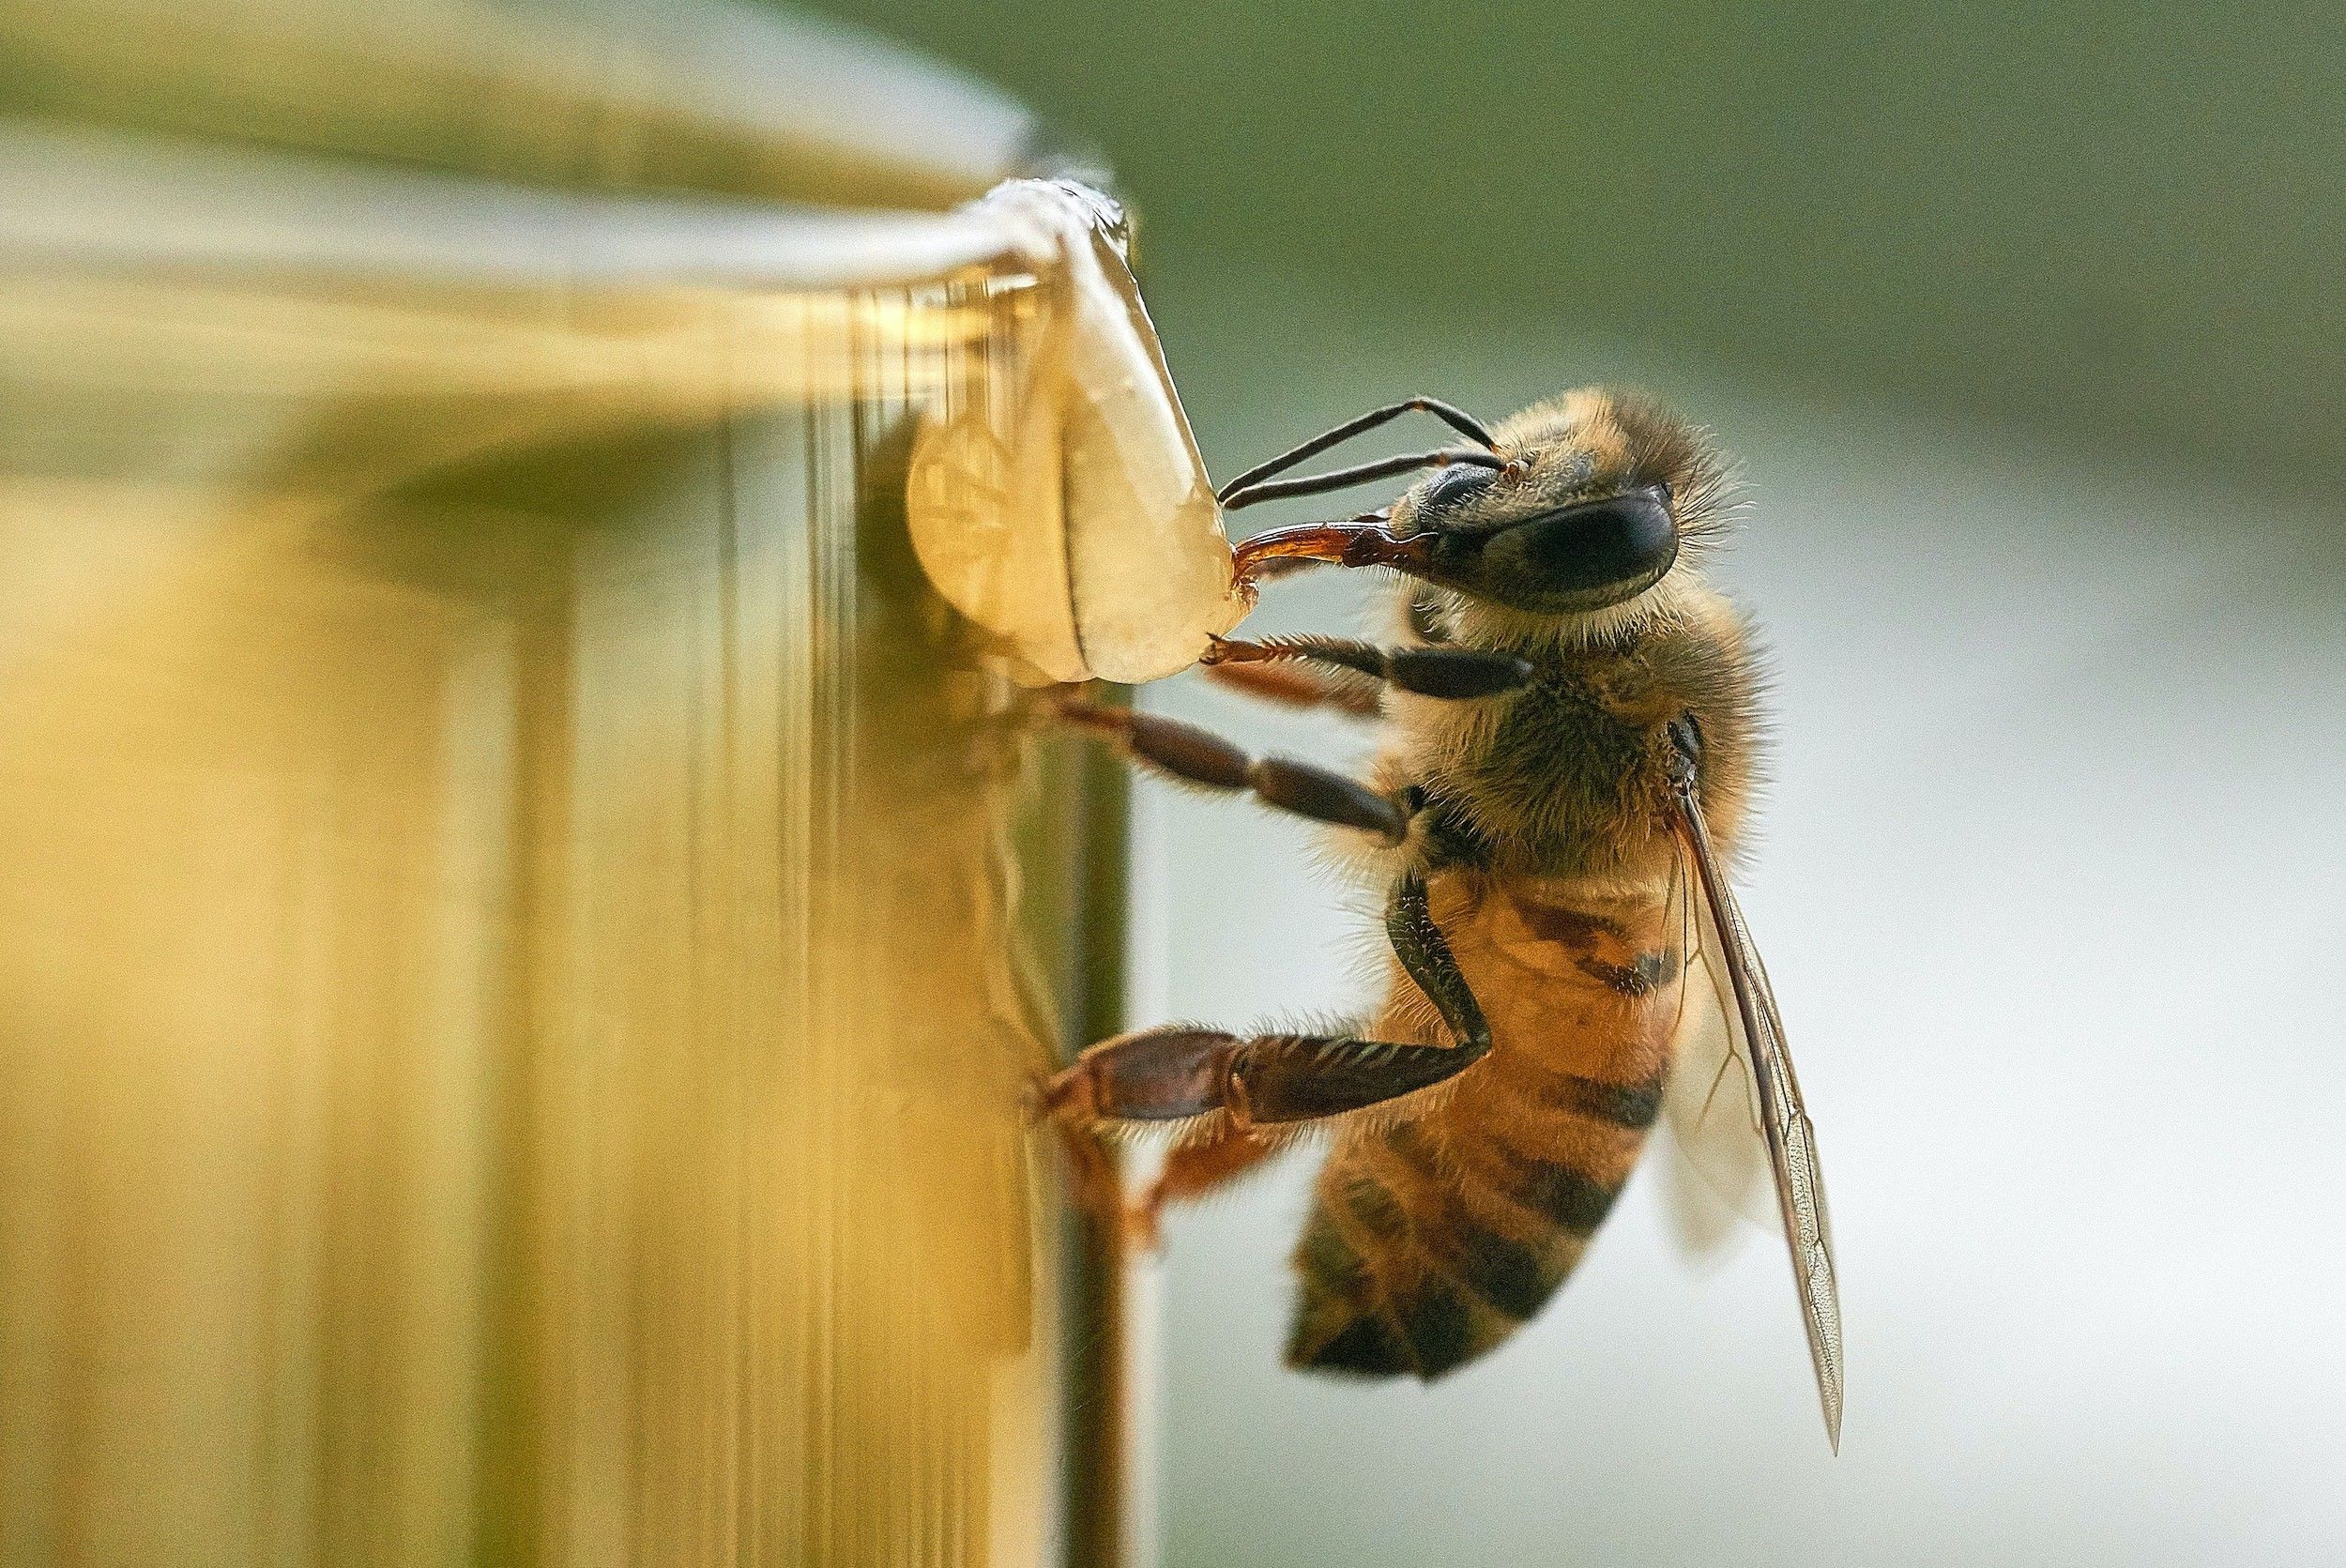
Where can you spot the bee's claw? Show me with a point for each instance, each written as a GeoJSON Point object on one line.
{"type": "Point", "coordinates": [1094, 1181]}
{"type": "Point", "coordinates": [1066, 1095]}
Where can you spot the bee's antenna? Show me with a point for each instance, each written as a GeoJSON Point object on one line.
{"type": "Point", "coordinates": [1457, 418]}
{"type": "Point", "coordinates": [1237, 496]}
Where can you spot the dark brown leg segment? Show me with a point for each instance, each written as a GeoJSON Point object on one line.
{"type": "Point", "coordinates": [1459, 673]}
{"type": "Point", "coordinates": [1199, 757]}
{"type": "Point", "coordinates": [1168, 1074]}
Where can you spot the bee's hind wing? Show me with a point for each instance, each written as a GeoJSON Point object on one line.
{"type": "Point", "coordinates": [1738, 1082]}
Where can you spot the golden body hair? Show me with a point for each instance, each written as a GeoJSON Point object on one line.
{"type": "Point", "coordinates": [1571, 721]}
{"type": "Point", "coordinates": [1445, 1218]}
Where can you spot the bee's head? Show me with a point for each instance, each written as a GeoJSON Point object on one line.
{"type": "Point", "coordinates": [1600, 493]}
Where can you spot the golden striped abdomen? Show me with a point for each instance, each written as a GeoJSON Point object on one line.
{"type": "Point", "coordinates": [1441, 1224]}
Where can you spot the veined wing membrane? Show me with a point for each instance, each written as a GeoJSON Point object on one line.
{"type": "Point", "coordinates": [1711, 1110]}
{"type": "Point", "coordinates": [1767, 1095]}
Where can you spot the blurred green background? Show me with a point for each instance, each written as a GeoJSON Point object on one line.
{"type": "Point", "coordinates": [2120, 224]}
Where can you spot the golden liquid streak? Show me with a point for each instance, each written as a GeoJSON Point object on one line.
{"type": "Point", "coordinates": [510, 1037]}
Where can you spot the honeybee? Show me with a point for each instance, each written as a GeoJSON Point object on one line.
{"type": "Point", "coordinates": [1571, 721]}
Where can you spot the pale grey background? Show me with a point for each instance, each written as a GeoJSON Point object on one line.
{"type": "Point", "coordinates": [2048, 881]}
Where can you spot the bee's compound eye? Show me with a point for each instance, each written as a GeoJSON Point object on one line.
{"type": "Point", "coordinates": [1453, 487]}
{"type": "Point", "coordinates": [1581, 556]}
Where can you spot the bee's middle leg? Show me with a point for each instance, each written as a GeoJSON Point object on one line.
{"type": "Point", "coordinates": [1199, 757]}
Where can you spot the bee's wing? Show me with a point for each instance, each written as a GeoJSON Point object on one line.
{"type": "Point", "coordinates": [1766, 1100]}
{"type": "Point", "coordinates": [1711, 1109]}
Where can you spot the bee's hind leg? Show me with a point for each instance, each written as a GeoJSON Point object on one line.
{"type": "Point", "coordinates": [1095, 1180]}
{"type": "Point", "coordinates": [1173, 1074]}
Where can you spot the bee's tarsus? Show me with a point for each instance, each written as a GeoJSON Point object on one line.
{"type": "Point", "coordinates": [1292, 686]}
{"type": "Point", "coordinates": [1165, 1075]}
{"type": "Point", "coordinates": [1068, 1095]}
{"type": "Point", "coordinates": [1327, 797]}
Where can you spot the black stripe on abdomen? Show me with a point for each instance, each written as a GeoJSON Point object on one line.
{"type": "Point", "coordinates": [1516, 1277]}
{"type": "Point", "coordinates": [1402, 1270]}
{"type": "Point", "coordinates": [1426, 1327]}
{"type": "Point", "coordinates": [1632, 1107]}
{"type": "Point", "coordinates": [1567, 1195]}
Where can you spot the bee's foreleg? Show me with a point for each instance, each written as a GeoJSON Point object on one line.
{"type": "Point", "coordinates": [1292, 687]}
{"type": "Point", "coordinates": [1199, 757]}
{"type": "Point", "coordinates": [1172, 1073]}
{"type": "Point", "coordinates": [1461, 673]}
